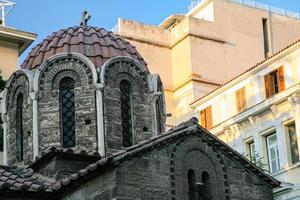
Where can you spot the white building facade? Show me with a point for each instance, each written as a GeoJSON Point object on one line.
{"type": "Point", "coordinates": [258, 114]}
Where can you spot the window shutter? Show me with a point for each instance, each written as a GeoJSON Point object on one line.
{"type": "Point", "coordinates": [281, 78]}
{"type": "Point", "coordinates": [202, 118]}
{"type": "Point", "coordinates": [243, 97]}
{"type": "Point", "coordinates": [267, 86]}
{"type": "Point", "coordinates": [238, 100]}
{"type": "Point", "coordinates": [209, 124]}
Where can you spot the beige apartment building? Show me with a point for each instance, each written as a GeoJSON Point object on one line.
{"type": "Point", "coordinates": [258, 114]}
{"type": "Point", "coordinates": [216, 40]}
{"type": "Point", "coordinates": [13, 43]}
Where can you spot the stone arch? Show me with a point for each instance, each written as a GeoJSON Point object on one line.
{"type": "Point", "coordinates": [93, 75]}
{"type": "Point", "coordinates": [192, 153]}
{"type": "Point", "coordinates": [28, 75]}
{"type": "Point", "coordinates": [107, 65]}
{"type": "Point", "coordinates": [18, 84]}
{"type": "Point", "coordinates": [47, 82]}
{"type": "Point", "coordinates": [112, 73]}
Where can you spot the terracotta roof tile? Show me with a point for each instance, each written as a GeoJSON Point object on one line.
{"type": "Point", "coordinates": [19, 179]}
{"type": "Point", "coordinates": [97, 44]}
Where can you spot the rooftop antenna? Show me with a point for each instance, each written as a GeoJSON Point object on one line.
{"type": "Point", "coordinates": [85, 18]}
{"type": "Point", "coordinates": [5, 8]}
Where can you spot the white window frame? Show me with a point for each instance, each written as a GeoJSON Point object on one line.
{"type": "Point", "coordinates": [252, 151]}
{"type": "Point", "coordinates": [288, 141]}
{"type": "Point", "coordinates": [269, 148]}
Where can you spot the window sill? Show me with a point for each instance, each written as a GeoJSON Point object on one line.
{"type": "Point", "coordinates": [297, 164]}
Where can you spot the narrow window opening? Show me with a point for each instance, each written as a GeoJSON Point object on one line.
{"type": "Point", "coordinates": [192, 185]}
{"type": "Point", "coordinates": [274, 82]}
{"type": "Point", "coordinates": [67, 112]}
{"type": "Point", "coordinates": [204, 191]}
{"type": "Point", "coordinates": [125, 89]}
{"type": "Point", "coordinates": [19, 128]}
{"type": "Point", "coordinates": [266, 37]}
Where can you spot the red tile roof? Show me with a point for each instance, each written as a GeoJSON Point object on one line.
{"type": "Point", "coordinates": [97, 44]}
{"type": "Point", "coordinates": [19, 179]}
{"type": "Point", "coordinates": [246, 71]}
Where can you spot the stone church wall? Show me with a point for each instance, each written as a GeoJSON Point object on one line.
{"type": "Point", "coordinates": [19, 85]}
{"type": "Point", "coordinates": [146, 177]}
{"type": "Point", "coordinates": [101, 188]}
{"type": "Point", "coordinates": [243, 185]}
{"type": "Point", "coordinates": [49, 104]}
{"type": "Point", "coordinates": [152, 176]}
{"type": "Point", "coordinates": [140, 103]}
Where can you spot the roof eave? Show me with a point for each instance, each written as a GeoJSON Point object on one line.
{"type": "Point", "coordinates": [21, 38]}
{"type": "Point", "coordinates": [281, 53]}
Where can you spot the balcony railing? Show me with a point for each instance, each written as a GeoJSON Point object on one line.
{"type": "Point", "coordinates": [258, 5]}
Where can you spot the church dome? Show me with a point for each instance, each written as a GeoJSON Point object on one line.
{"type": "Point", "coordinates": [95, 43]}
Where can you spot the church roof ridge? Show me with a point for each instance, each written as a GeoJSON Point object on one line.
{"type": "Point", "coordinates": [184, 129]}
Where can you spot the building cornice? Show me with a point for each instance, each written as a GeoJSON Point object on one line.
{"type": "Point", "coordinates": [21, 38]}
{"type": "Point", "coordinates": [247, 73]}
{"type": "Point", "coordinates": [250, 113]}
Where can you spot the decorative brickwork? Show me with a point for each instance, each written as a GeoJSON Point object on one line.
{"type": "Point", "coordinates": [116, 72]}
{"type": "Point", "coordinates": [19, 86]}
{"type": "Point", "coordinates": [194, 154]}
{"type": "Point", "coordinates": [50, 108]}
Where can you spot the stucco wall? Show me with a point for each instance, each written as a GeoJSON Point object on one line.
{"type": "Point", "coordinates": [217, 50]}
{"type": "Point", "coordinates": [10, 63]}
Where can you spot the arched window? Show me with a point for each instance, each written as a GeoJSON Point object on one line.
{"type": "Point", "coordinates": [19, 128]}
{"type": "Point", "coordinates": [192, 185]}
{"type": "Point", "coordinates": [205, 192]}
{"type": "Point", "coordinates": [67, 112]}
{"type": "Point", "coordinates": [125, 90]}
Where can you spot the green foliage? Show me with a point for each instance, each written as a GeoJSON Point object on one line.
{"type": "Point", "coordinates": [257, 160]}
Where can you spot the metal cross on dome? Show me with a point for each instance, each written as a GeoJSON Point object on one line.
{"type": "Point", "coordinates": [85, 18]}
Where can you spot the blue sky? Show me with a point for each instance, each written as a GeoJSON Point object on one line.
{"type": "Point", "coordinates": [46, 16]}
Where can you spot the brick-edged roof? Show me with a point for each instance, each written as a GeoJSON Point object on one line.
{"type": "Point", "coordinates": [247, 71]}
{"type": "Point", "coordinates": [17, 178]}
{"type": "Point", "coordinates": [97, 44]}
{"type": "Point", "coordinates": [102, 165]}
{"type": "Point", "coordinates": [184, 129]}
{"type": "Point", "coordinates": [25, 179]}
{"type": "Point", "coordinates": [50, 153]}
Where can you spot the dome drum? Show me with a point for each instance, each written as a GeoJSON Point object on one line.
{"type": "Point", "coordinates": [91, 91]}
